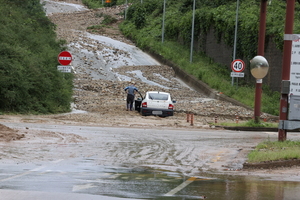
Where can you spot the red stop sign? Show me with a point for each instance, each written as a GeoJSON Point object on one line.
{"type": "Point", "coordinates": [64, 58]}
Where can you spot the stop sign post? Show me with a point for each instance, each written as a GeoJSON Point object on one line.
{"type": "Point", "coordinates": [64, 58]}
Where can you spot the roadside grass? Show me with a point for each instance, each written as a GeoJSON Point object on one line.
{"type": "Point", "coordinates": [92, 4]}
{"type": "Point", "coordinates": [269, 150]}
{"type": "Point", "coordinates": [275, 151]}
{"type": "Point", "coordinates": [96, 27]}
{"type": "Point", "coordinates": [104, 24]}
{"type": "Point", "coordinates": [250, 123]}
{"type": "Point", "coordinates": [109, 20]}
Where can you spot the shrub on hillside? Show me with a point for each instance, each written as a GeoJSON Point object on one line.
{"type": "Point", "coordinates": [29, 79]}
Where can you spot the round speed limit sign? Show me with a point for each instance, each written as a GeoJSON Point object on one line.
{"type": "Point", "coordinates": [238, 65]}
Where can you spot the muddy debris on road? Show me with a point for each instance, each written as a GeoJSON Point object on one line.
{"type": "Point", "coordinates": [8, 134]}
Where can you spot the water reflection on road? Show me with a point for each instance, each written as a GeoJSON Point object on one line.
{"type": "Point", "coordinates": [136, 163]}
{"type": "Point", "coordinates": [141, 183]}
{"type": "Point", "coordinates": [154, 184]}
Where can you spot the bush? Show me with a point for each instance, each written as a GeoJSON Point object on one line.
{"type": "Point", "coordinates": [29, 79]}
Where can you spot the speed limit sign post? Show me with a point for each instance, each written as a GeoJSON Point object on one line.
{"type": "Point", "coordinates": [238, 65]}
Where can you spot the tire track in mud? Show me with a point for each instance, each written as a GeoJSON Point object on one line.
{"type": "Point", "coordinates": [152, 150]}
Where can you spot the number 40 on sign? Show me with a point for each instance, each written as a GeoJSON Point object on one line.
{"type": "Point", "coordinates": [238, 65]}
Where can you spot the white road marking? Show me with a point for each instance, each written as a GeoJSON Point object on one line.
{"type": "Point", "coordinates": [82, 187]}
{"type": "Point", "coordinates": [28, 172]}
{"type": "Point", "coordinates": [180, 187]}
{"type": "Point", "coordinates": [16, 176]}
{"type": "Point", "coordinates": [115, 176]}
{"type": "Point", "coordinates": [217, 157]}
{"type": "Point", "coordinates": [37, 169]}
{"type": "Point", "coordinates": [57, 161]}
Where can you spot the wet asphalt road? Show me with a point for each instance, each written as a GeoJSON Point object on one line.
{"type": "Point", "coordinates": [128, 163]}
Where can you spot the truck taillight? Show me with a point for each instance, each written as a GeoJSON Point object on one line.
{"type": "Point", "coordinates": [144, 104]}
{"type": "Point", "coordinates": [171, 106]}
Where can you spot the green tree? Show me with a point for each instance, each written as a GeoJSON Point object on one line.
{"type": "Point", "coordinates": [29, 80]}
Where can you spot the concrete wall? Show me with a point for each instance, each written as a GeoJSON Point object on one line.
{"type": "Point", "coordinates": [274, 58]}
{"type": "Point", "coordinates": [219, 52]}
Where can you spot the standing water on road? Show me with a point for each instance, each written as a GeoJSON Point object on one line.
{"type": "Point", "coordinates": [140, 163]}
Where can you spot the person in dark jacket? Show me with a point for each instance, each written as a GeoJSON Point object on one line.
{"type": "Point", "coordinates": [130, 95]}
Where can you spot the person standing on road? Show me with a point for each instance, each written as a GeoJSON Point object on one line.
{"type": "Point", "coordinates": [130, 95]}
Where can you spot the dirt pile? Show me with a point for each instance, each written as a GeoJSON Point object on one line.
{"type": "Point", "coordinates": [70, 24]}
{"type": "Point", "coordinates": [7, 134]}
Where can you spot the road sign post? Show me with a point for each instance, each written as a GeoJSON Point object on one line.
{"type": "Point", "coordinates": [64, 58]}
{"type": "Point", "coordinates": [65, 68]}
{"type": "Point", "coordinates": [286, 66]}
{"type": "Point", "coordinates": [237, 74]}
{"type": "Point", "coordinates": [238, 65]}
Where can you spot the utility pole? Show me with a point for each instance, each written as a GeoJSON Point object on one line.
{"type": "Point", "coordinates": [261, 52]}
{"type": "Point", "coordinates": [163, 24]}
{"type": "Point", "coordinates": [235, 34]}
{"type": "Point", "coordinates": [126, 9]}
{"type": "Point", "coordinates": [236, 28]}
{"type": "Point", "coordinates": [193, 29]}
{"type": "Point", "coordinates": [286, 64]}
